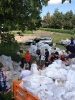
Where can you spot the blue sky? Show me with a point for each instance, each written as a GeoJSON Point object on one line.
{"type": "Point", "coordinates": [53, 4]}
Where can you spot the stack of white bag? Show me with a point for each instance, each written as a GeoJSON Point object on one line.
{"type": "Point", "coordinates": [12, 69]}
{"type": "Point", "coordinates": [56, 82]}
{"type": "Point", "coordinates": [42, 47]}
{"type": "Point", "coordinates": [66, 42]}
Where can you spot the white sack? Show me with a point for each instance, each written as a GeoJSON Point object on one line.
{"type": "Point", "coordinates": [34, 69]}
{"type": "Point", "coordinates": [71, 76]}
{"type": "Point", "coordinates": [69, 95]}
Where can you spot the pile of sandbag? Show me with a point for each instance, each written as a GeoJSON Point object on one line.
{"type": "Point", "coordinates": [12, 69]}
{"type": "Point", "coordinates": [65, 42]}
{"type": "Point", "coordinates": [55, 82]}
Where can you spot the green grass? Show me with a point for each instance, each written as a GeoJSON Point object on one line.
{"type": "Point", "coordinates": [57, 37]}
{"type": "Point", "coordinates": [58, 30]}
{"type": "Point", "coordinates": [28, 32]}
{"type": "Point", "coordinates": [45, 29]}
{"type": "Point", "coordinates": [20, 32]}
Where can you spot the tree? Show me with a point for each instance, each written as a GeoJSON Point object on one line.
{"type": "Point", "coordinates": [66, 0]}
{"type": "Point", "coordinates": [73, 20]}
{"type": "Point", "coordinates": [20, 13]}
{"type": "Point", "coordinates": [68, 20]}
{"type": "Point", "coordinates": [46, 20]}
{"type": "Point", "coordinates": [57, 19]}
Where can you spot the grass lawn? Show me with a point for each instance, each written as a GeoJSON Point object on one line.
{"type": "Point", "coordinates": [57, 37]}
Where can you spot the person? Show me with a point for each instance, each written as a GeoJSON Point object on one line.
{"type": "Point", "coordinates": [22, 56]}
{"type": "Point", "coordinates": [28, 58]}
{"type": "Point", "coordinates": [51, 58]}
{"type": "Point", "coordinates": [25, 72]}
{"type": "Point", "coordinates": [62, 57]}
{"type": "Point", "coordinates": [49, 61]}
{"type": "Point", "coordinates": [38, 52]}
{"type": "Point", "coordinates": [2, 79]}
{"type": "Point", "coordinates": [46, 57]}
{"type": "Point", "coordinates": [72, 41]}
{"type": "Point", "coordinates": [56, 55]}
{"type": "Point", "coordinates": [70, 55]}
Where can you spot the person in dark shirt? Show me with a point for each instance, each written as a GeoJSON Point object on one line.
{"type": "Point", "coordinates": [51, 58]}
{"type": "Point", "coordinates": [71, 55]}
{"type": "Point", "coordinates": [46, 57]}
{"type": "Point", "coordinates": [56, 55]}
{"type": "Point", "coordinates": [70, 48]}
{"type": "Point", "coordinates": [38, 52]}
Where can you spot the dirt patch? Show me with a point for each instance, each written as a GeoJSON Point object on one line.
{"type": "Point", "coordinates": [32, 36]}
{"type": "Point", "coordinates": [23, 38]}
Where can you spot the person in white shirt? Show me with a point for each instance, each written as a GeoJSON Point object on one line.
{"type": "Point", "coordinates": [25, 72]}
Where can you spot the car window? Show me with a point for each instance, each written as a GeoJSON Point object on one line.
{"type": "Point", "coordinates": [43, 39]}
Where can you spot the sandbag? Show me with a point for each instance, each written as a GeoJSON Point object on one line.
{"type": "Point", "coordinates": [34, 69]}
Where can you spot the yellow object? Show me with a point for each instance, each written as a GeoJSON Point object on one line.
{"type": "Point", "coordinates": [22, 55]}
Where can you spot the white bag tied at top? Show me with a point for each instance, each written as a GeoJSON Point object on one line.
{"type": "Point", "coordinates": [34, 69]}
{"type": "Point", "coordinates": [69, 95]}
{"type": "Point", "coordinates": [71, 76]}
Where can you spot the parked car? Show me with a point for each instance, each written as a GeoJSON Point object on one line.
{"type": "Point", "coordinates": [46, 40]}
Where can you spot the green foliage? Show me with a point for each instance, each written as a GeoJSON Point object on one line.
{"type": "Point", "coordinates": [28, 32]}
{"type": "Point", "coordinates": [57, 30]}
{"type": "Point", "coordinates": [10, 50]}
{"type": "Point", "coordinates": [74, 30]}
{"type": "Point", "coordinates": [59, 20]}
{"type": "Point", "coordinates": [7, 38]}
{"type": "Point", "coordinates": [20, 13]}
{"type": "Point", "coordinates": [7, 96]}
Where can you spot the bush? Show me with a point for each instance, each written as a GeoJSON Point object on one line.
{"type": "Point", "coordinates": [10, 50]}
{"type": "Point", "coordinates": [7, 38]}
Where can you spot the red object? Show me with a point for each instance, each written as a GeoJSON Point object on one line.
{"type": "Point", "coordinates": [62, 58]}
{"type": "Point", "coordinates": [27, 56]}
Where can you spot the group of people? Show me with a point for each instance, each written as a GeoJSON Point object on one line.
{"type": "Point", "coordinates": [49, 58]}
{"type": "Point", "coordinates": [25, 57]}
